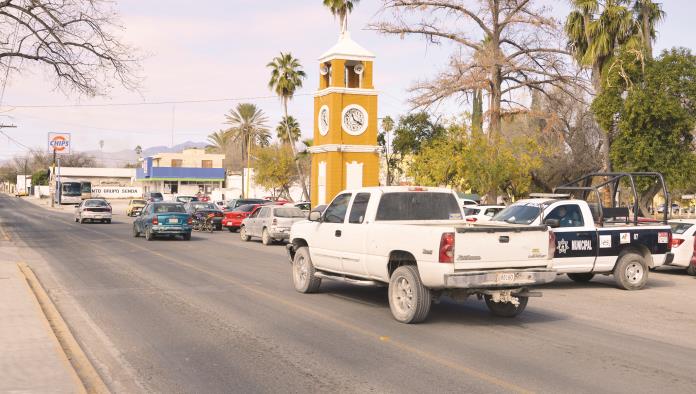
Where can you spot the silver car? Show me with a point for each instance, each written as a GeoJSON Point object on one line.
{"type": "Point", "coordinates": [93, 209]}
{"type": "Point", "coordinates": [271, 223]}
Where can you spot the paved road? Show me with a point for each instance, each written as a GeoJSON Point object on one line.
{"type": "Point", "coordinates": [219, 315]}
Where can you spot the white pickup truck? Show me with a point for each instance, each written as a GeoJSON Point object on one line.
{"type": "Point", "coordinates": [414, 240]}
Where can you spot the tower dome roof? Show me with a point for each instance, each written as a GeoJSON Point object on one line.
{"type": "Point", "coordinates": [347, 49]}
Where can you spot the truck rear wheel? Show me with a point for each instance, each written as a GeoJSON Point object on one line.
{"type": "Point", "coordinates": [409, 299]}
{"type": "Point", "coordinates": [691, 270]}
{"type": "Point", "coordinates": [581, 277]}
{"type": "Point", "coordinates": [506, 309]}
{"type": "Point", "coordinates": [303, 272]}
{"type": "Point", "coordinates": [631, 272]}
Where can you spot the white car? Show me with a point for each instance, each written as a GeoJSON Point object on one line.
{"type": "Point", "coordinates": [465, 202]}
{"type": "Point", "coordinates": [481, 213]}
{"type": "Point", "coordinates": [683, 245]}
{"type": "Point", "coordinates": [94, 210]}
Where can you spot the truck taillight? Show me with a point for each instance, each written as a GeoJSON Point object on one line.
{"type": "Point", "coordinates": [189, 221]}
{"type": "Point", "coordinates": [552, 244]}
{"type": "Point", "coordinates": [676, 242]}
{"type": "Point", "coordinates": [154, 220]}
{"type": "Point", "coordinates": [447, 248]}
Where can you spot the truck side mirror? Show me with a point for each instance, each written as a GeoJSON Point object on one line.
{"type": "Point", "coordinates": [315, 216]}
{"type": "Point", "coordinates": [553, 223]}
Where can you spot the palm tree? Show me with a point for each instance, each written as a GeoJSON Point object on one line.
{"type": "Point", "coordinates": [286, 78]}
{"type": "Point", "coordinates": [288, 127]}
{"type": "Point", "coordinates": [648, 14]}
{"type": "Point", "coordinates": [596, 29]}
{"type": "Point", "coordinates": [248, 128]}
{"type": "Point", "coordinates": [219, 141]}
{"type": "Point", "coordinates": [138, 150]}
{"type": "Point", "coordinates": [341, 9]}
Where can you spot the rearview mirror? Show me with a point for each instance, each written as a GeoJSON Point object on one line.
{"type": "Point", "coordinates": [553, 223]}
{"type": "Point", "coordinates": [315, 216]}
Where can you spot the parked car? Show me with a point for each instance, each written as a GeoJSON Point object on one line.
{"type": "Point", "coordinates": [271, 223]}
{"type": "Point", "coordinates": [238, 202]}
{"type": "Point", "coordinates": [415, 241]}
{"type": "Point", "coordinates": [186, 199]}
{"type": "Point", "coordinates": [153, 197]}
{"type": "Point", "coordinates": [683, 245]}
{"type": "Point", "coordinates": [93, 209]}
{"type": "Point", "coordinates": [200, 208]}
{"type": "Point", "coordinates": [675, 208]}
{"type": "Point", "coordinates": [233, 219]}
{"type": "Point", "coordinates": [135, 206]}
{"type": "Point", "coordinates": [163, 218]}
{"type": "Point", "coordinates": [481, 213]}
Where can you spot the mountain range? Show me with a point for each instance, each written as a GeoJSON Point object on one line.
{"type": "Point", "coordinates": [123, 157]}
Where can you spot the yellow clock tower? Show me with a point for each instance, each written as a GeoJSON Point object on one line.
{"type": "Point", "coordinates": [345, 154]}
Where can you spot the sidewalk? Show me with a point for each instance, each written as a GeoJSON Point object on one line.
{"type": "Point", "coordinates": [31, 359]}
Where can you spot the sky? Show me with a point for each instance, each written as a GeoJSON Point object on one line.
{"type": "Point", "coordinates": [218, 49]}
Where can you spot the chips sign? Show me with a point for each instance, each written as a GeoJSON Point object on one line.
{"type": "Point", "coordinates": [59, 143]}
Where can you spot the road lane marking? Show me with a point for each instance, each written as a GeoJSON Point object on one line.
{"type": "Point", "coordinates": [336, 321]}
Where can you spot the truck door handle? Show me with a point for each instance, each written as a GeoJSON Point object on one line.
{"type": "Point", "coordinates": [337, 233]}
{"type": "Point", "coordinates": [503, 239]}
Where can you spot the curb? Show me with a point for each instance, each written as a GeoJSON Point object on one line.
{"type": "Point", "coordinates": [90, 379]}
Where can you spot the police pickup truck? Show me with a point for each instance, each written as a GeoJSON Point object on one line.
{"type": "Point", "coordinates": [594, 239]}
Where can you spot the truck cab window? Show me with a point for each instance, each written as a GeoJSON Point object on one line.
{"type": "Point", "coordinates": [568, 215]}
{"type": "Point", "coordinates": [357, 210]}
{"type": "Point", "coordinates": [336, 212]}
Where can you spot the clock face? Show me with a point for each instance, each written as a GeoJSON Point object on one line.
{"type": "Point", "coordinates": [323, 120]}
{"type": "Point", "coordinates": [354, 119]}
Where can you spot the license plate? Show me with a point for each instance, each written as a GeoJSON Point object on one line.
{"type": "Point", "coordinates": [173, 220]}
{"type": "Point", "coordinates": [505, 277]}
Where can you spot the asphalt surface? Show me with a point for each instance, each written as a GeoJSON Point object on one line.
{"type": "Point", "coordinates": [216, 314]}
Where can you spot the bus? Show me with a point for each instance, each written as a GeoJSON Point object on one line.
{"type": "Point", "coordinates": [68, 192]}
{"type": "Point", "coordinates": [86, 189]}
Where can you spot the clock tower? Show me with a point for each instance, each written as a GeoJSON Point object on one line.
{"type": "Point", "coordinates": [345, 154]}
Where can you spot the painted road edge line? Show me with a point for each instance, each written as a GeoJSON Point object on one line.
{"type": "Point", "coordinates": [85, 371]}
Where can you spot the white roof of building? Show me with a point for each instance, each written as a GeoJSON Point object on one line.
{"type": "Point", "coordinates": [97, 172]}
{"type": "Point", "coordinates": [348, 49]}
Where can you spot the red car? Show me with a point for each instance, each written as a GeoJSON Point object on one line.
{"type": "Point", "coordinates": [233, 219]}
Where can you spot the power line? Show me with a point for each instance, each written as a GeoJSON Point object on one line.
{"type": "Point", "coordinates": [168, 102]}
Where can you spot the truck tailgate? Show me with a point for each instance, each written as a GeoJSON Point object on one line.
{"type": "Point", "coordinates": [500, 247]}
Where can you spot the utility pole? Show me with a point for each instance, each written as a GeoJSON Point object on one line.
{"type": "Point", "coordinates": [52, 180]}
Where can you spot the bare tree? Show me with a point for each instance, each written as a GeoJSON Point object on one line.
{"type": "Point", "coordinates": [75, 40]}
{"type": "Point", "coordinates": [504, 46]}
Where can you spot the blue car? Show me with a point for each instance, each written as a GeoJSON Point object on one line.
{"type": "Point", "coordinates": [163, 218]}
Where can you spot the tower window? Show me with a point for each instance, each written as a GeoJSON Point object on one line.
{"type": "Point", "coordinates": [353, 74]}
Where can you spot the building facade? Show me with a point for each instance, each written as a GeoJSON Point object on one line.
{"type": "Point", "coordinates": [345, 154]}
{"type": "Point", "coordinates": [185, 173]}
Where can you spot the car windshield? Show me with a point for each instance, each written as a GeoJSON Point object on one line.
{"type": "Point", "coordinates": [140, 202]}
{"type": "Point", "coordinates": [206, 206]}
{"type": "Point", "coordinates": [169, 208]}
{"type": "Point", "coordinates": [680, 228]}
{"type": "Point", "coordinates": [95, 203]}
{"type": "Point", "coordinates": [246, 208]}
{"type": "Point", "coordinates": [158, 195]}
{"type": "Point", "coordinates": [520, 213]}
{"type": "Point", "coordinates": [289, 213]}
{"type": "Point", "coordinates": [471, 211]}
{"type": "Point", "coordinates": [418, 206]}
